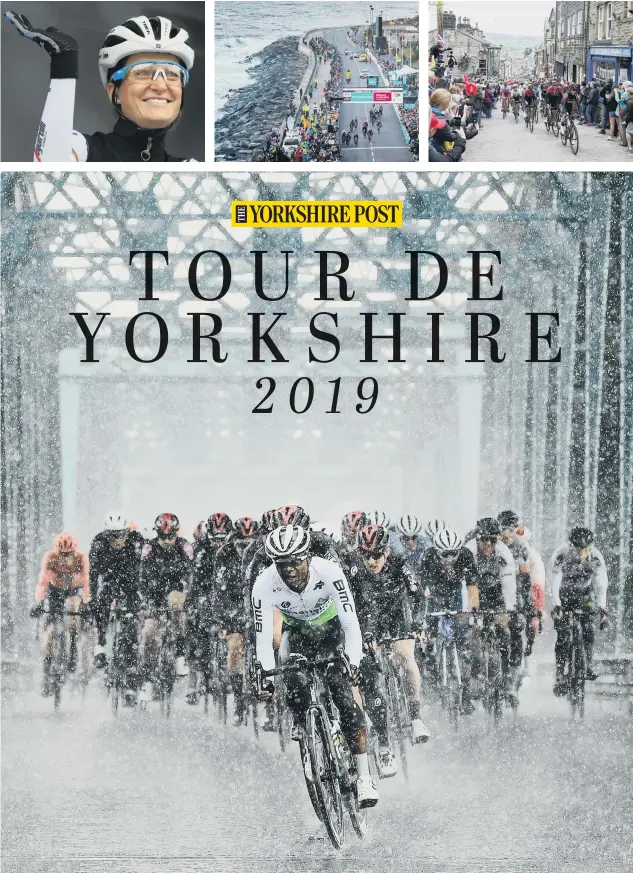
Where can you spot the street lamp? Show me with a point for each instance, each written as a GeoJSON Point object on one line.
{"type": "Point", "coordinates": [371, 24]}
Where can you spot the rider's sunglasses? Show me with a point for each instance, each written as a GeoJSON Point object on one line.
{"type": "Point", "coordinates": [486, 539]}
{"type": "Point", "coordinates": [373, 556]}
{"type": "Point", "coordinates": [289, 563]}
{"type": "Point", "coordinates": [148, 71]}
{"type": "Point", "coordinates": [450, 553]}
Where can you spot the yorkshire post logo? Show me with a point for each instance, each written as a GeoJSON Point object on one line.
{"type": "Point", "coordinates": [316, 213]}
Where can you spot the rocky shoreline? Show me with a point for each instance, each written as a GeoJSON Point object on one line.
{"type": "Point", "coordinates": [250, 113]}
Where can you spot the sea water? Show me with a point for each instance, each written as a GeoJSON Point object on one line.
{"type": "Point", "coordinates": [244, 28]}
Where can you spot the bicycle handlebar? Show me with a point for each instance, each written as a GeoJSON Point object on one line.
{"type": "Point", "coordinates": [302, 663]}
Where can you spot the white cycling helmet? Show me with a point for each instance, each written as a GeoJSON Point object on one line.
{"type": "Point", "coordinates": [376, 516]}
{"type": "Point", "coordinates": [409, 526]}
{"type": "Point", "coordinates": [143, 34]}
{"type": "Point", "coordinates": [289, 541]}
{"type": "Point", "coordinates": [433, 527]}
{"type": "Point", "coordinates": [115, 521]}
{"type": "Point", "coordinates": [447, 541]}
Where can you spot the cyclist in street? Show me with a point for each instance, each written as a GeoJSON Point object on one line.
{"type": "Point", "coordinates": [166, 570]}
{"type": "Point", "coordinates": [579, 581]}
{"type": "Point", "coordinates": [229, 608]}
{"type": "Point", "coordinates": [391, 605]}
{"type": "Point", "coordinates": [529, 101]}
{"type": "Point", "coordinates": [115, 565]}
{"type": "Point", "coordinates": [65, 580]}
{"type": "Point", "coordinates": [530, 582]}
{"type": "Point", "coordinates": [497, 594]}
{"type": "Point", "coordinates": [144, 65]}
{"type": "Point", "coordinates": [449, 576]}
{"type": "Point", "coordinates": [407, 541]}
{"type": "Point", "coordinates": [320, 621]}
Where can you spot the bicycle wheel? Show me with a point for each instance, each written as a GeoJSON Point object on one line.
{"type": "Point", "coordinates": [284, 720]}
{"type": "Point", "coordinates": [577, 673]}
{"type": "Point", "coordinates": [324, 776]}
{"type": "Point", "coordinates": [563, 135]}
{"type": "Point", "coordinates": [455, 689]}
{"type": "Point", "coordinates": [532, 122]}
{"type": "Point", "coordinates": [57, 666]}
{"type": "Point", "coordinates": [536, 115]}
{"type": "Point", "coordinates": [574, 140]}
{"type": "Point", "coordinates": [546, 121]}
{"type": "Point", "coordinates": [357, 816]}
{"type": "Point", "coordinates": [400, 716]}
{"type": "Point", "coordinates": [494, 678]}
{"type": "Point", "coordinates": [555, 125]}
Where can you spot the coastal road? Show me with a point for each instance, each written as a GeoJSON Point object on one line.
{"type": "Point", "coordinates": [505, 140]}
{"type": "Point", "coordinates": [83, 792]}
{"type": "Point", "coordinates": [388, 145]}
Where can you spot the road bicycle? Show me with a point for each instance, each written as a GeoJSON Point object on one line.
{"type": "Point", "coordinates": [555, 120]}
{"type": "Point", "coordinates": [516, 110]}
{"type": "Point", "coordinates": [57, 660]}
{"type": "Point", "coordinates": [122, 669]}
{"type": "Point", "coordinates": [575, 661]}
{"type": "Point", "coordinates": [165, 672]}
{"type": "Point", "coordinates": [529, 116]}
{"type": "Point", "coordinates": [328, 766]}
{"type": "Point", "coordinates": [250, 701]}
{"type": "Point", "coordinates": [398, 717]}
{"type": "Point", "coordinates": [448, 671]}
{"type": "Point", "coordinates": [495, 644]}
{"type": "Point", "coordinates": [569, 134]}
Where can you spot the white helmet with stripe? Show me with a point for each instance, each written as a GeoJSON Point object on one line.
{"type": "Point", "coordinates": [409, 526]}
{"type": "Point", "coordinates": [447, 541]}
{"type": "Point", "coordinates": [289, 541]}
{"type": "Point", "coordinates": [142, 35]}
{"type": "Point", "coordinates": [433, 527]}
{"type": "Point", "coordinates": [376, 516]}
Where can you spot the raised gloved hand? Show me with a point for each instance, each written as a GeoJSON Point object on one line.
{"type": "Point", "coordinates": [63, 49]}
{"type": "Point", "coordinates": [557, 613]}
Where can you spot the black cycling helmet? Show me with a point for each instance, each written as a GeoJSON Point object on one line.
{"type": "Point", "coordinates": [581, 537]}
{"type": "Point", "coordinates": [488, 527]}
{"type": "Point", "coordinates": [508, 519]}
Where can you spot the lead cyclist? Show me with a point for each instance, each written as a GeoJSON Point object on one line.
{"type": "Point", "coordinates": [319, 621]}
{"type": "Point", "coordinates": [144, 66]}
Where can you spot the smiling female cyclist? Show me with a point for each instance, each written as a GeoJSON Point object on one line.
{"type": "Point", "coordinates": [144, 65]}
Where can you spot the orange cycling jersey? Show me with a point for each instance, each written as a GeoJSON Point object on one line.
{"type": "Point", "coordinates": [58, 573]}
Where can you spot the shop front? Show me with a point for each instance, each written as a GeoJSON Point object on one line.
{"type": "Point", "coordinates": [613, 62]}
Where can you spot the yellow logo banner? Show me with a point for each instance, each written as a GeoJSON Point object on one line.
{"type": "Point", "coordinates": [316, 213]}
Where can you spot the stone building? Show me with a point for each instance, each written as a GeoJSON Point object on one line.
{"type": "Point", "coordinates": [610, 41]}
{"type": "Point", "coordinates": [474, 54]}
{"type": "Point", "coordinates": [570, 53]}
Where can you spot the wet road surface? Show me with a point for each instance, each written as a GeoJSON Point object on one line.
{"type": "Point", "coordinates": [83, 792]}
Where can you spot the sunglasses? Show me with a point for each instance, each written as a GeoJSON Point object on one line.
{"type": "Point", "coordinates": [148, 71]}
{"type": "Point", "coordinates": [450, 553]}
{"type": "Point", "coordinates": [486, 539]}
{"type": "Point", "coordinates": [289, 563]}
{"type": "Point", "coordinates": [372, 556]}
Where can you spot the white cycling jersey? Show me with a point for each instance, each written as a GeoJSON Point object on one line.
{"type": "Point", "coordinates": [326, 596]}
{"type": "Point", "coordinates": [568, 571]}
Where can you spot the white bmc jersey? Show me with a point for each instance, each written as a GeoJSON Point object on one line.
{"type": "Point", "coordinates": [326, 596]}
